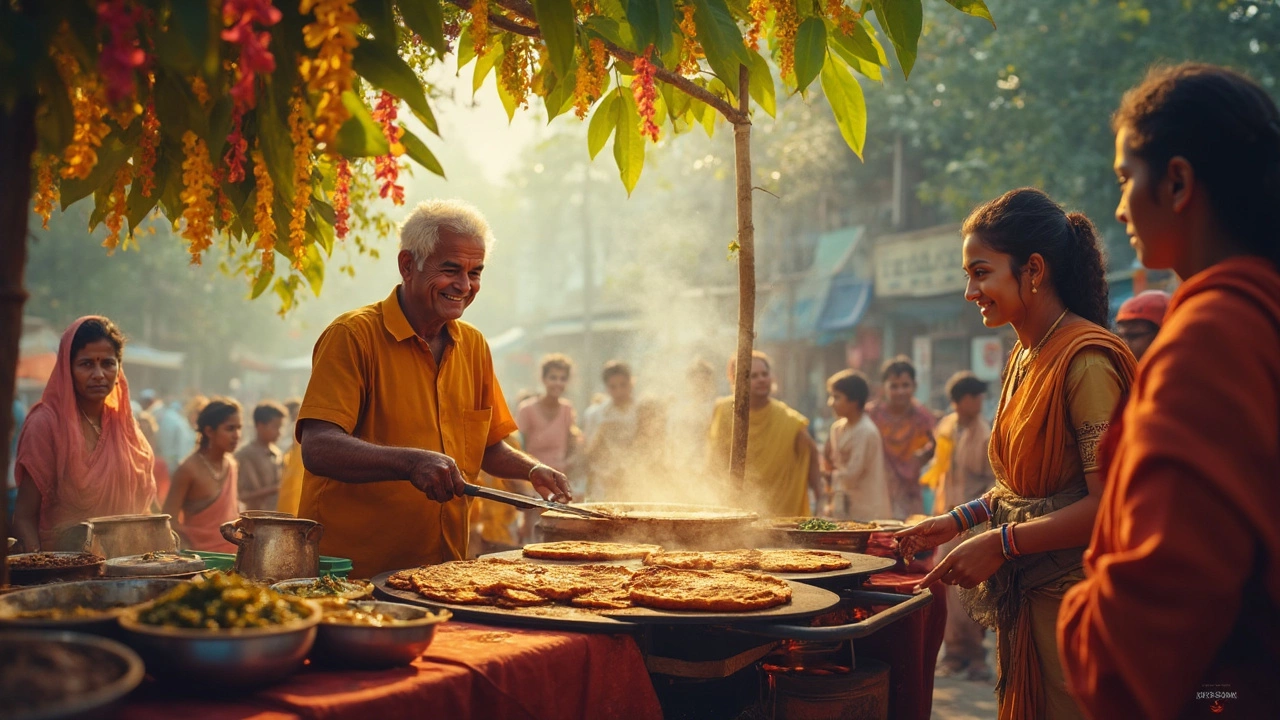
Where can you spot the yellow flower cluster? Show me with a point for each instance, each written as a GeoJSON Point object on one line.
{"type": "Point", "coordinates": [539, 85]}
{"type": "Point", "coordinates": [589, 79]}
{"type": "Point", "coordinates": [117, 207]}
{"type": "Point", "coordinates": [201, 90]}
{"type": "Point", "coordinates": [329, 74]}
{"type": "Point", "coordinates": [197, 195]}
{"type": "Point", "coordinates": [88, 107]}
{"type": "Point", "coordinates": [513, 74]}
{"type": "Point", "coordinates": [46, 191]}
{"type": "Point", "coordinates": [263, 213]}
{"type": "Point", "coordinates": [842, 15]}
{"type": "Point", "coordinates": [786, 21]}
{"type": "Point", "coordinates": [479, 26]}
{"type": "Point", "coordinates": [691, 50]}
{"type": "Point", "coordinates": [302, 147]}
{"type": "Point", "coordinates": [759, 12]}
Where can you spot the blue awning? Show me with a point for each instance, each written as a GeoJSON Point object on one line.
{"type": "Point", "coordinates": [774, 325]}
{"type": "Point", "coordinates": [847, 301]}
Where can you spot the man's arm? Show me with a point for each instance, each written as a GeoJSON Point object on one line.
{"type": "Point", "coordinates": [503, 461]}
{"type": "Point", "coordinates": [330, 452]}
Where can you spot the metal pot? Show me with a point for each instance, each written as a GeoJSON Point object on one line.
{"type": "Point", "coordinates": [121, 535]}
{"type": "Point", "coordinates": [271, 549]}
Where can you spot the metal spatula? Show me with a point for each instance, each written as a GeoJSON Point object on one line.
{"type": "Point", "coordinates": [529, 503]}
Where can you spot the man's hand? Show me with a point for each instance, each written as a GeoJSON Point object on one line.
{"type": "Point", "coordinates": [437, 476]}
{"type": "Point", "coordinates": [551, 484]}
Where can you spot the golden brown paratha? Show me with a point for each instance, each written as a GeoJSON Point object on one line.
{"type": "Point", "coordinates": [670, 588]}
{"type": "Point", "coordinates": [515, 584]}
{"type": "Point", "coordinates": [800, 561]}
{"type": "Point", "coordinates": [588, 551]}
{"type": "Point", "coordinates": [709, 560]}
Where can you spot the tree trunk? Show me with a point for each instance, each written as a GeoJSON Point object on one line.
{"type": "Point", "coordinates": [17, 142]}
{"type": "Point", "coordinates": [746, 286]}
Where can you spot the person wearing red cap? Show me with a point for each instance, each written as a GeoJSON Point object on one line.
{"type": "Point", "coordinates": [1140, 318]}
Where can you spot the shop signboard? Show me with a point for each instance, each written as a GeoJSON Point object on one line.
{"type": "Point", "coordinates": [920, 264]}
{"type": "Point", "coordinates": [987, 359]}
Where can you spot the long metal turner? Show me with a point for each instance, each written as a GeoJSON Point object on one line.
{"type": "Point", "coordinates": [528, 503]}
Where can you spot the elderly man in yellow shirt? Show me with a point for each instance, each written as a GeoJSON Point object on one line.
{"type": "Point", "coordinates": [403, 408]}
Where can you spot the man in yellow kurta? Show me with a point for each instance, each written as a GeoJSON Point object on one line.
{"type": "Point", "coordinates": [403, 408]}
{"type": "Point", "coordinates": [782, 462]}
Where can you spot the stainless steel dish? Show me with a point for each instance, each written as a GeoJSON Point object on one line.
{"type": "Point", "coordinates": [360, 590]}
{"type": "Point", "coordinates": [111, 597]}
{"type": "Point", "coordinates": [120, 535]}
{"type": "Point", "coordinates": [86, 566]}
{"type": "Point", "coordinates": [378, 647]}
{"type": "Point", "coordinates": [154, 565]}
{"type": "Point", "coordinates": [20, 696]}
{"type": "Point", "coordinates": [222, 659]}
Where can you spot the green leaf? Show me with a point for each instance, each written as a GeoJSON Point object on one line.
{"type": "Point", "coordinates": [811, 51]}
{"type": "Point", "coordinates": [678, 103]}
{"type": "Point", "coordinates": [425, 18]}
{"type": "Point", "coordinates": [466, 48]}
{"type": "Point", "coordinates": [379, 17]}
{"type": "Point", "coordinates": [560, 98]}
{"type": "Point", "coordinates": [420, 153]}
{"type": "Point", "coordinates": [508, 100]}
{"type": "Point", "coordinates": [284, 291]}
{"type": "Point", "coordinates": [761, 85]}
{"type": "Point", "coordinates": [189, 43]}
{"type": "Point", "coordinates": [603, 121]}
{"type": "Point", "coordinates": [380, 64]}
{"type": "Point", "coordinates": [313, 268]}
{"type": "Point", "coordinates": [56, 125]}
{"type": "Point", "coordinates": [276, 146]}
{"type": "Point", "coordinates": [111, 156]}
{"type": "Point", "coordinates": [721, 39]}
{"type": "Point", "coordinates": [844, 95]}
{"type": "Point", "coordinates": [628, 144]}
{"type": "Point", "coordinates": [484, 64]}
{"type": "Point", "coordinates": [556, 19]}
{"type": "Point", "coordinates": [902, 21]}
{"type": "Point", "coordinates": [321, 231]}
{"type": "Point", "coordinates": [652, 22]}
{"type": "Point", "coordinates": [976, 8]}
{"type": "Point", "coordinates": [138, 207]}
{"type": "Point", "coordinates": [360, 135]}
{"type": "Point", "coordinates": [262, 282]}
{"type": "Point", "coordinates": [609, 29]}
{"type": "Point", "coordinates": [856, 49]}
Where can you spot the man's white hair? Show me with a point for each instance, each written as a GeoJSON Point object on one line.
{"type": "Point", "coordinates": [420, 232]}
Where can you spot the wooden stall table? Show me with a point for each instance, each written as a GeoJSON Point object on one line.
{"type": "Point", "coordinates": [470, 671]}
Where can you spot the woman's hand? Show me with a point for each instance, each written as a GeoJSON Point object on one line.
{"type": "Point", "coordinates": [972, 562]}
{"type": "Point", "coordinates": [925, 536]}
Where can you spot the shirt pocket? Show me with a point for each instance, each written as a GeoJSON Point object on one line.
{"type": "Point", "coordinates": [475, 436]}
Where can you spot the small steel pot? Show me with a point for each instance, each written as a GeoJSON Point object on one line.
{"type": "Point", "coordinates": [378, 647]}
{"type": "Point", "coordinates": [121, 535]}
{"type": "Point", "coordinates": [271, 549]}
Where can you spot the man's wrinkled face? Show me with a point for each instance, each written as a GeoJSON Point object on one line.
{"type": "Point", "coordinates": [449, 278]}
{"type": "Point", "coordinates": [898, 391]}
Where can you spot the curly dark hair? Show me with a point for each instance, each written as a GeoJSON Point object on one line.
{"type": "Point", "coordinates": [1026, 221]}
{"type": "Point", "coordinates": [1227, 127]}
{"type": "Point", "coordinates": [95, 329]}
{"type": "Point", "coordinates": [213, 414]}
{"type": "Point", "coordinates": [557, 361]}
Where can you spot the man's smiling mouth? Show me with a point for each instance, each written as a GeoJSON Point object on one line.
{"type": "Point", "coordinates": [455, 298]}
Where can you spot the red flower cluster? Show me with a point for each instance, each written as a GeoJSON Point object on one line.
{"type": "Point", "coordinates": [147, 144]}
{"type": "Point", "coordinates": [342, 198]}
{"type": "Point", "coordinates": [239, 17]}
{"type": "Point", "coordinates": [237, 146]}
{"type": "Point", "coordinates": [645, 91]}
{"type": "Point", "coordinates": [387, 167]}
{"type": "Point", "coordinates": [121, 55]}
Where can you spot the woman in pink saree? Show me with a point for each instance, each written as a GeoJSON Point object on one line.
{"type": "Point", "coordinates": [81, 454]}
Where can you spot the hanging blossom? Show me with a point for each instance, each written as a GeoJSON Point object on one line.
{"type": "Point", "coordinates": [197, 195]}
{"type": "Point", "coordinates": [329, 74]}
{"type": "Point", "coordinates": [121, 57]}
{"type": "Point", "coordinates": [240, 17]}
{"type": "Point", "coordinates": [690, 49]}
{"type": "Point", "coordinates": [539, 85]}
{"type": "Point", "coordinates": [89, 130]}
{"type": "Point", "coordinates": [342, 198]}
{"type": "Point", "coordinates": [225, 213]}
{"type": "Point", "coordinates": [786, 22]}
{"type": "Point", "coordinates": [200, 89]}
{"type": "Point", "coordinates": [842, 15]}
{"type": "Point", "coordinates": [263, 211]}
{"type": "Point", "coordinates": [148, 141]}
{"type": "Point", "coordinates": [589, 78]}
{"type": "Point", "coordinates": [479, 26]}
{"type": "Point", "coordinates": [645, 91]}
{"type": "Point", "coordinates": [46, 195]}
{"type": "Point", "coordinates": [513, 74]}
{"type": "Point", "coordinates": [117, 207]}
{"type": "Point", "coordinates": [237, 146]}
{"type": "Point", "coordinates": [303, 144]}
{"type": "Point", "coordinates": [759, 12]}
{"type": "Point", "coordinates": [387, 167]}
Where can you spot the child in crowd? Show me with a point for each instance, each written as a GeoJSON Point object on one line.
{"type": "Point", "coordinates": [854, 453]}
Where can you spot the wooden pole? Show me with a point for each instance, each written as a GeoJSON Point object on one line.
{"type": "Point", "coordinates": [17, 143]}
{"type": "Point", "coordinates": [746, 283]}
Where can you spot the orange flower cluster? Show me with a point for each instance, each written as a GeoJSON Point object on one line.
{"type": "Point", "coordinates": [759, 11]}
{"type": "Point", "coordinates": [479, 26]}
{"type": "Point", "coordinates": [387, 167]}
{"type": "Point", "coordinates": [263, 212]}
{"type": "Point", "coordinates": [589, 79]}
{"type": "Point", "coordinates": [147, 144]}
{"type": "Point", "coordinates": [513, 74]}
{"type": "Point", "coordinates": [89, 130]}
{"type": "Point", "coordinates": [201, 90]}
{"type": "Point", "coordinates": [117, 207]}
{"type": "Point", "coordinates": [46, 191]}
{"type": "Point", "coordinates": [197, 195]}
{"type": "Point", "coordinates": [842, 15]}
{"type": "Point", "coordinates": [342, 198]}
{"type": "Point", "coordinates": [302, 147]}
{"type": "Point", "coordinates": [786, 21]}
{"type": "Point", "coordinates": [691, 50]}
{"type": "Point", "coordinates": [329, 74]}
{"type": "Point", "coordinates": [645, 90]}
{"type": "Point", "coordinates": [539, 86]}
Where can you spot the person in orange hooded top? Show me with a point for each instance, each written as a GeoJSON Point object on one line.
{"type": "Point", "coordinates": [1179, 615]}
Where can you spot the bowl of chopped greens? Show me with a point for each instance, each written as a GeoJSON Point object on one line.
{"type": "Point", "coordinates": [222, 631]}
{"type": "Point", "coordinates": [327, 587]}
{"type": "Point", "coordinates": [817, 532]}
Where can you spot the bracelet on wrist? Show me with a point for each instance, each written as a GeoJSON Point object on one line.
{"type": "Point", "coordinates": [1008, 545]}
{"type": "Point", "coordinates": [971, 514]}
{"type": "Point", "coordinates": [534, 469]}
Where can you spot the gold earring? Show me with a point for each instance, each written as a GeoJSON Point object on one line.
{"type": "Point", "coordinates": [1034, 290]}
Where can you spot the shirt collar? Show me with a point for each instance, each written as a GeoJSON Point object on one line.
{"type": "Point", "coordinates": [397, 324]}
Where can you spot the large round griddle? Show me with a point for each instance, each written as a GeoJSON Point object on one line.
{"type": "Point", "coordinates": [806, 601]}
{"type": "Point", "coordinates": [859, 566]}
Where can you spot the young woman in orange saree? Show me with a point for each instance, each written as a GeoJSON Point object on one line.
{"type": "Point", "coordinates": [1033, 266]}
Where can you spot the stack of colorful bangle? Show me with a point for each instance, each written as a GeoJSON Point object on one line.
{"type": "Point", "coordinates": [1007, 544]}
{"type": "Point", "coordinates": [971, 514]}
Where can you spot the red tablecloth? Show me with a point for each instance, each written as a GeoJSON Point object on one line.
{"type": "Point", "coordinates": [470, 671]}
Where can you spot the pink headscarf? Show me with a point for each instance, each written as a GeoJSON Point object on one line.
{"type": "Point", "coordinates": [115, 479]}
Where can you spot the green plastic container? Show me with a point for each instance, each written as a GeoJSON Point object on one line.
{"type": "Point", "coordinates": [337, 567]}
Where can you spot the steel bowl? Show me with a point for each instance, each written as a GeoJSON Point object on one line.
{"type": "Point", "coordinates": [222, 659]}
{"type": "Point", "coordinates": [124, 667]}
{"type": "Point", "coordinates": [89, 567]}
{"type": "Point", "coordinates": [111, 597]}
{"type": "Point", "coordinates": [379, 647]}
{"type": "Point", "coordinates": [363, 591]}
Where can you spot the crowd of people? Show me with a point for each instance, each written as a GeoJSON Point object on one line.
{"type": "Point", "coordinates": [1113, 523]}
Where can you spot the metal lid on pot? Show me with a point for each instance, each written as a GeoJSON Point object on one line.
{"type": "Point", "coordinates": [154, 564]}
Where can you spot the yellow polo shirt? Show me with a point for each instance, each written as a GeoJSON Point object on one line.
{"type": "Point", "coordinates": [375, 378]}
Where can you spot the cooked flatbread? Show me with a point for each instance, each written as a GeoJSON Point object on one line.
{"type": "Point", "coordinates": [514, 584]}
{"type": "Point", "coordinates": [670, 588]}
{"type": "Point", "coordinates": [800, 561]}
{"type": "Point", "coordinates": [709, 560]}
{"type": "Point", "coordinates": [588, 551]}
